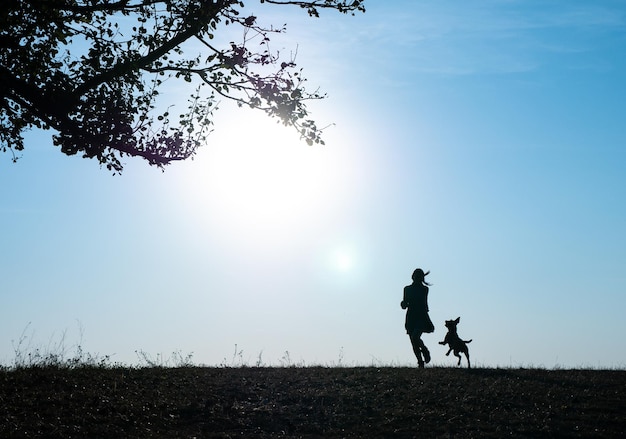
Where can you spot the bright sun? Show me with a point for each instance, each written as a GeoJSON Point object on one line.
{"type": "Point", "coordinates": [260, 179]}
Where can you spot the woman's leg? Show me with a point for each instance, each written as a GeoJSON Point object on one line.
{"type": "Point", "coordinates": [425, 352]}
{"type": "Point", "coordinates": [417, 344]}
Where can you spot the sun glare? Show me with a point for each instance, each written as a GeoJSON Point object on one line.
{"type": "Point", "coordinates": [260, 179]}
{"type": "Point", "coordinates": [343, 260]}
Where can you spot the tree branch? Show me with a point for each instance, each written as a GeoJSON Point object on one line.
{"type": "Point", "coordinates": [213, 8]}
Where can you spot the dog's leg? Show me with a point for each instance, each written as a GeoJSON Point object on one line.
{"type": "Point", "coordinates": [468, 360]}
{"type": "Point", "coordinates": [457, 354]}
{"type": "Point", "coordinates": [448, 353]}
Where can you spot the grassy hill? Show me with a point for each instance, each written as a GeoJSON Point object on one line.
{"type": "Point", "coordinates": [308, 402]}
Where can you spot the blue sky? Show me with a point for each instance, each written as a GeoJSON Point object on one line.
{"type": "Point", "coordinates": [484, 141]}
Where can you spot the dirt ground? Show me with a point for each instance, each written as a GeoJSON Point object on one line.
{"type": "Point", "coordinates": [309, 402]}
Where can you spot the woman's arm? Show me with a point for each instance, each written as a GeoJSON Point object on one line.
{"type": "Point", "coordinates": [405, 302]}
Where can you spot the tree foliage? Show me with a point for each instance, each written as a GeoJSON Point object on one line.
{"type": "Point", "coordinates": [91, 71]}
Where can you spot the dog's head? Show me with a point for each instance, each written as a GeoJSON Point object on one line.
{"type": "Point", "coordinates": [451, 324]}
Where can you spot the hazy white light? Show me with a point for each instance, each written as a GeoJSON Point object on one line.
{"type": "Point", "coordinates": [343, 260]}
{"type": "Point", "coordinates": [262, 183]}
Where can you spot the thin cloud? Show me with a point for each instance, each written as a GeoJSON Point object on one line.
{"type": "Point", "coordinates": [497, 37]}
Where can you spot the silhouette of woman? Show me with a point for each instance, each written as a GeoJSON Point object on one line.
{"type": "Point", "coordinates": [417, 320]}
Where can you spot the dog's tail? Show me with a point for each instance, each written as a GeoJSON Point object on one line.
{"type": "Point", "coordinates": [469, 341]}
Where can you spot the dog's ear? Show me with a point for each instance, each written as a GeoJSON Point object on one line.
{"type": "Point", "coordinates": [458, 319]}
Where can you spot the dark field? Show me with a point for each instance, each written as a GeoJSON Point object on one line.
{"type": "Point", "coordinates": [309, 402]}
